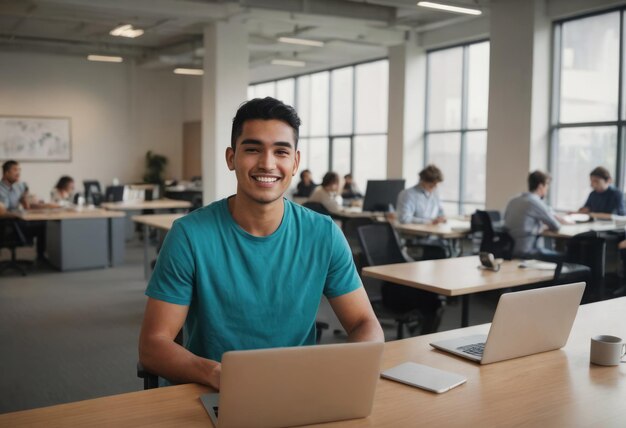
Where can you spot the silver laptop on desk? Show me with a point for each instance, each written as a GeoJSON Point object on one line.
{"type": "Point", "coordinates": [525, 323]}
{"type": "Point", "coordinates": [295, 386]}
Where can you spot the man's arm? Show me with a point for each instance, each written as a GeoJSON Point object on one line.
{"type": "Point", "coordinates": [357, 316]}
{"type": "Point", "coordinates": [159, 353]}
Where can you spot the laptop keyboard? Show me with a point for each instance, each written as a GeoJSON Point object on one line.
{"type": "Point", "coordinates": [473, 349]}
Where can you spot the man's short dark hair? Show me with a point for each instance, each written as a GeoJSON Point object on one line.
{"type": "Point", "coordinates": [601, 172]}
{"type": "Point", "coordinates": [8, 165]}
{"type": "Point", "coordinates": [536, 179]}
{"type": "Point", "coordinates": [431, 174]}
{"type": "Point", "coordinates": [267, 108]}
{"type": "Point", "coordinates": [330, 178]}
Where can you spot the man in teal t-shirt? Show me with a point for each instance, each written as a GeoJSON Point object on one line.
{"type": "Point", "coordinates": [249, 271]}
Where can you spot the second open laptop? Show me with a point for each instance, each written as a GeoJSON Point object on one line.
{"type": "Point", "coordinates": [295, 386]}
{"type": "Point", "coordinates": [525, 323]}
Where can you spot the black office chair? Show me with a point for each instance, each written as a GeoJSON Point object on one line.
{"type": "Point", "coordinates": [350, 230]}
{"type": "Point", "coordinates": [497, 242]}
{"type": "Point", "coordinates": [587, 250]}
{"type": "Point", "coordinates": [93, 192]}
{"type": "Point", "coordinates": [317, 207]}
{"type": "Point", "coordinates": [12, 237]}
{"type": "Point", "coordinates": [407, 306]}
{"type": "Point", "coordinates": [151, 381]}
{"type": "Point", "coordinates": [476, 227]}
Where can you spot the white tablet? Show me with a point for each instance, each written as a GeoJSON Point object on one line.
{"type": "Point", "coordinates": [425, 377]}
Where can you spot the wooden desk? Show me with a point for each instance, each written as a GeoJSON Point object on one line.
{"type": "Point", "coordinates": [567, 231]}
{"type": "Point", "coordinates": [458, 276]}
{"type": "Point", "coordinates": [159, 204]}
{"type": "Point", "coordinates": [552, 389]}
{"type": "Point", "coordinates": [158, 221]}
{"type": "Point", "coordinates": [452, 229]}
{"type": "Point", "coordinates": [81, 238]}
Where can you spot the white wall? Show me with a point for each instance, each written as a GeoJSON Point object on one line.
{"type": "Point", "coordinates": [118, 113]}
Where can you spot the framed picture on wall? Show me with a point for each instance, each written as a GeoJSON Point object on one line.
{"type": "Point", "coordinates": [35, 139]}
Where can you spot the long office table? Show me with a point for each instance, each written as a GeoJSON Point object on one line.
{"type": "Point", "coordinates": [157, 221]}
{"type": "Point", "coordinates": [158, 204]}
{"type": "Point", "coordinates": [458, 276]}
{"type": "Point", "coordinates": [552, 389]}
{"type": "Point", "coordinates": [452, 229]}
{"type": "Point", "coordinates": [567, 231]}
{"type": "Point", "coordinates": [81, 238]}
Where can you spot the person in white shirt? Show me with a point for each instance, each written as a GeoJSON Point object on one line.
{"type": "Point", "coordinates": [327, 193]}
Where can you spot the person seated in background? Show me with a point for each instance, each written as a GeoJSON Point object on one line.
{"type": "Point", "coordinates": [525, 217]}
{"type": "Point", "coordinates": [14, 196]}
{"type": "Point", "coordinates": [421, 203]}
{"type": "Point", "coordinates": [327, 193]}
{"type": "Point", "coordinates": [63, 192]}
{"type": "Point", "coordinates": [350, 189]}
{"type": "Point", "coordinates": [306, 185]}
{"type": "Point", "coordinates": [604, 198]}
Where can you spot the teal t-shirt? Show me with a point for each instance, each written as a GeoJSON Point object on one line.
{"type": "Point", "coordinates": [248, 292]}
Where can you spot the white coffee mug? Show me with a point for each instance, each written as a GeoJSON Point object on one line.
{"type": "Point", "coordinates": [607, 350]}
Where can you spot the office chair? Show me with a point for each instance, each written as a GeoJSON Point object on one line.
{"type": "Point", "coordinates": [499, 243]}
{"type": "Point", "coordinates": [151, 381]}
{"type": "Point", "coordinates": [93, 192]}
{"type": "Point", "coordinates": [585, 255]}
{"type": "Point", "coordinates": [12, 237]}
{"type": "Point", "coordinates": [407, 306]}
{"type": "Point", "coordinates": [476, 227]}
{"type": "Point", "coordinates": [350, 230]}
{"type": "Point", "coordinates": [317, 207]}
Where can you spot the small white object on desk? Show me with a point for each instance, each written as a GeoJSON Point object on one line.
{"type": "Point", "coordinates": [425, 377]}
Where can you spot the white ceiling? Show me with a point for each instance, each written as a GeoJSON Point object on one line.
{"type": "Point", "coordinates": [353, 30]}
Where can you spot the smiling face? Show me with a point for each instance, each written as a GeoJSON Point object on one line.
{"type": "Point", "coordinates": [265, 160]}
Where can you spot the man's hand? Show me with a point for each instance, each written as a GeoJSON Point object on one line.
{"type": "Point", "coordinates": [439, 220]}
{"type": "Point", "coordinates": [215, 376]}
{"type": "Point", "coordinates": [161, 355]}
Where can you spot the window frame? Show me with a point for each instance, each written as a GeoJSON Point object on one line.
{"type": "Point", "coordinates": [463, 129]}
{"type": "Point", "coordinates": [555, 103]}
{"type": "Point", "coordinates": [330, 135]}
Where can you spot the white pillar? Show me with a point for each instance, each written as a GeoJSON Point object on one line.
{"type": "Point", "coordinates": [225, 85]}
{"type": "Point", "coordinates": [407, 98]}
{"type": "Point", "coordinates": [518, 97]}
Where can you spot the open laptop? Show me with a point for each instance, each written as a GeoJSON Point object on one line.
{"type": "Point", "coordinates": [295, 386]}
{"type": "Point", "coordinates": [525, 323]}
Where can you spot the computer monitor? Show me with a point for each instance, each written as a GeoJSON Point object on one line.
{"type": "Point", "coordinates": [114, 194]}
{"type": "Point", "coordinates": [382, 193]}
{"type": "Point", "coordinates": [93, 192]}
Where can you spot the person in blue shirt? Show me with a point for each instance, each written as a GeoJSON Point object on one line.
{"type": "Point", "coordinates": [421, 203]}
{"type": "Point", "coordinates": [249, 271]}
{"type": "Point", "coordinates": [604, 198]}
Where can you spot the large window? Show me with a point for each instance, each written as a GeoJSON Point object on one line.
{"type": "Point", "coordinates": [344, 119]}
{"type": "Point", "coordinates": [456, 123]}
{"type": "Point", "coordinates": [588, 112]}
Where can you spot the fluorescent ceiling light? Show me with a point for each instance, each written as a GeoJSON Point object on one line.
{"type": "Point", "coordinates": [449, 8]}
{"type": "Point", "coordinates": [298, 41]}
{"type": "Point", "coordinates": [189, 71]}
{"type": "Point", "coordinates": [288, 62]}
{"type": "Point", "coordinates": [126, 30]}
{"type": "Point", "coordinates": [105, 58]}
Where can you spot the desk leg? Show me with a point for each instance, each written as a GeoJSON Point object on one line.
{"type": "Point", "coordinates": [146, 247]}
{"type": "Point", "coordinates": [465, 310]}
